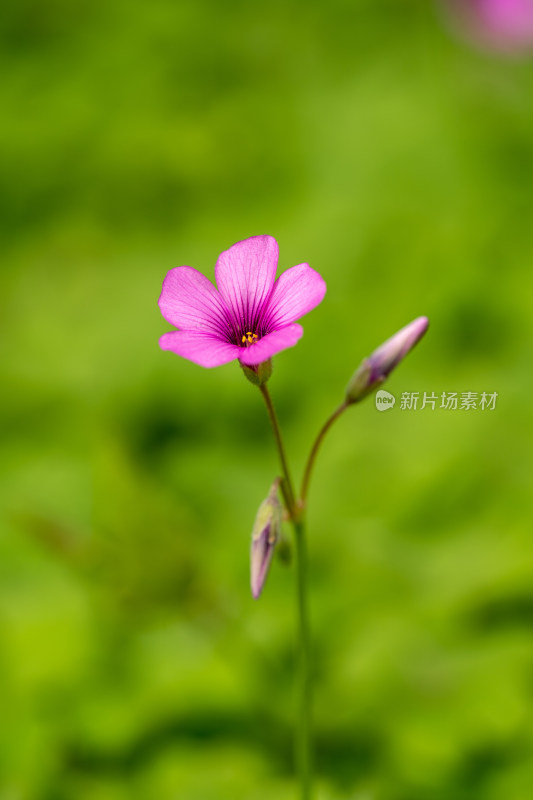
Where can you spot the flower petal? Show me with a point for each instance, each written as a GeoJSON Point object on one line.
{"type": "Point", "coordinates": [190, 301]}
{"type": "Point", "coordinates": [202, 348]}
{"type": "Point", "coordinates": [297, 291]}
{"type": "Point", "coordinates": [270, 344]}
{"type": "Point", "coordinates": [245, 276]}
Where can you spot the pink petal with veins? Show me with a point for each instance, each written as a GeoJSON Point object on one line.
{"type": "Point", "coordinates": [296, 292]}
{"type": "Point", "coordinates": [245, 276]}
{"type": "Point", "coordinates": [190, 301]}
{"type": "Point", "coordinates": [202, 348]}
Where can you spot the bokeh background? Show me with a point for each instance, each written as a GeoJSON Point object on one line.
{"type": "Point", "coordinates": [397, 159]}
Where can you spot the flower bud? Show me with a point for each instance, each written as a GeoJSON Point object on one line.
{"type": "Point", "coordinates": [265, 534]}
{"type": "Point", "coordinates": [374, 370]}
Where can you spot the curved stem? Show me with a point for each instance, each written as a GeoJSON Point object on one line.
{"type": "Point", "coordinates": [303, 739]}
{"type": "Point", "coordinates": [286, 485]}
{"type": "Point", "coordinates": [314, 450]}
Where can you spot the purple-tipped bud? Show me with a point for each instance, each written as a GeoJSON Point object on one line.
{"type": "Point", "coordinates": [374, 370]}
{"type": "Point", "coordinates": [265, 534]}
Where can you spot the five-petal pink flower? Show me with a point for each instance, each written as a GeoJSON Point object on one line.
{"type": "Point", "coordinates": [251, 317]}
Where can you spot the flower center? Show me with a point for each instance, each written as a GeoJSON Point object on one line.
{"type": "Point", "coordinates": [249, 338]}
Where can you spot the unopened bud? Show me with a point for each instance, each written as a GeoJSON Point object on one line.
{"type": "Point", "coordinates": [374, 370]}
{"type": "Point", "coordinates": [265, 534]}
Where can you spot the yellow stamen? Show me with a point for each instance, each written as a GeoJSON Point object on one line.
{"type": "Point", "coordinates": [249, 337]}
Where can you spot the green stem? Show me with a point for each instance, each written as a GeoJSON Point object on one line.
{"type": "Point", "coordinates": [296, 511]}
{"type": "Point", "coordinates": [303, 737]}
{"type": "Point", "coordinates": [286, 486]}
{"type": "Point", "coordinates": [303, 741]}
{"type": "Point", "coordinates": [314, 450]}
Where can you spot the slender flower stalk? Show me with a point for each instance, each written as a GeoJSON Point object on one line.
{"type": "Point", "coordinates": [316, 447]}
{"type": "Point", "coordinates": [372, 372]}
{"type": "Point", "coordinates": [297, 516]}
{"type": "Point", "coordinates": [304, 741]}
{"type": "Point", "coordinates": [286, 485]}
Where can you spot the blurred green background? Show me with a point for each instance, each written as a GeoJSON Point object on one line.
{"type": "Point", "coordinates": [397, 161]}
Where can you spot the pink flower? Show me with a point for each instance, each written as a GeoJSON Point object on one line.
{"type": "Point", "coordinates": [251, 317]}
{"type": "Point", "coordinates": [502, 25]}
